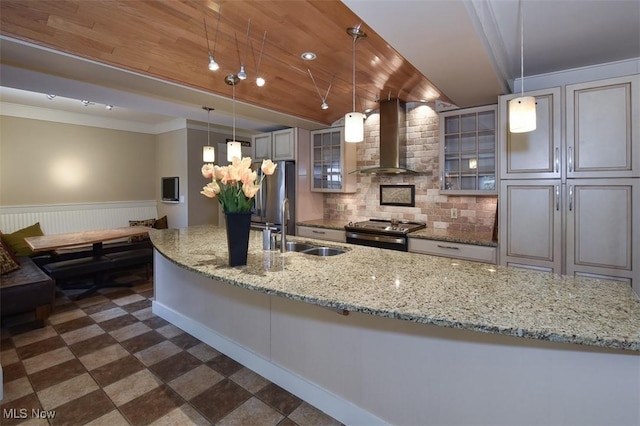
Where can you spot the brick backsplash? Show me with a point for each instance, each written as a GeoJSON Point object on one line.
{"type": "Point", "coordinates": [475, 214]}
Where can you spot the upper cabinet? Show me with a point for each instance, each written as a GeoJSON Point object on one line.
{"type": "Point", "coordinates": [468, 151]}
{"type": "Point", "coordinates": [536, 154]}
{"type": "Point", "coordinates": [278, 145]}
{"type": "Point", "coordinates": [602, 127]}
{"type": "Point", "coordinates": [332, 159]}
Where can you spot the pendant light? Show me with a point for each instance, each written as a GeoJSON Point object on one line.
{"type": "Point", "coordinates": [234, 148]}
{"type": "Point", "coordinates": [354, 121]}
{"type": "Point", "coordinates": [522, 110]}
{"type": "Point", "coordinates": [208, 153]}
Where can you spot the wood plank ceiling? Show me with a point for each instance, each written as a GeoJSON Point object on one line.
{"type": "Point", "coordinates": [166, 39]}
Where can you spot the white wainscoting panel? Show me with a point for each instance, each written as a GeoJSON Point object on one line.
{"type": "Point", "coordinates": [61, 218]}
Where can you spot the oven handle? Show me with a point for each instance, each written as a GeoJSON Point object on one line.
{"type": "Point", "coordinates": [372, 237]}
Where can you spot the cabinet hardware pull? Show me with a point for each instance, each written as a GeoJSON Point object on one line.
{"type": "Point", "coordinates": [449, 247]}
{"type": "Point", "coordinates": [570, 159]}
{"type": "Point", "coordinates": [570, 197]}
{"type": "Point", "coordinates": [557, 197]}
{"type": "Point", "coordinates": [557, 159]}
{"type": "Point", "coordinates": [318, 232]}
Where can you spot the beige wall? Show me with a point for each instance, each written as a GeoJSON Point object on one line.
{"type": "Point", "coordinates": [202, 210]}
{"type": "Point", "coordinates": [44, 162]}
{"type": "Point", "coordinates": [171, 160]}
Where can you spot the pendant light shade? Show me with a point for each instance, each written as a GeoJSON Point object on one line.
{"type": "Point", "coordinates": [522, 114]}
{"type": "Point", "coordinates": [522, 110]}
{"type": "Point", "coordinates": [354, 121]}
{"type": "Point", "coordinates": [208, 154]}
{"type": "Point", "coordinates": [354, 127]}
{"type": "Point", "coordinates": [234, 149]}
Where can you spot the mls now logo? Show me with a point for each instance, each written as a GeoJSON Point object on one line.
{"type": "Point", "coordinates": [23, 413]}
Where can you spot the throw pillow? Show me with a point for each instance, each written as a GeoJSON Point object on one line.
{"type": "Point", "coordinates": [16, 241]}
{"type": "Point", "coordinates": [146, 222]}
{"type": "Point", "coordinates": [161, 223]}
{"type": "Point", "coordinates": [8, 262]}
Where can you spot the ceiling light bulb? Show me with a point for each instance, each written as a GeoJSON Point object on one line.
{"type": "Point", "coordinates": [324, 105]}
{"type": "Point", "coordinates": [109, 107]}
{"type": "Point", "coordinates": [308, 56]}
{"type": "Point", "coordinates": [242, 75]}
{"type": "Point", "coordinates": [260, 81]}
{"type": "Point", "coordinates": [213, 65]}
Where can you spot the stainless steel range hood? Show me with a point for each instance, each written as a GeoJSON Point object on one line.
{"type": "Point", "coordinates": [393, 140]}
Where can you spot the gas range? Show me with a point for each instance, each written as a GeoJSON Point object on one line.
{"type": "Point", "coordinates": [390, 234]}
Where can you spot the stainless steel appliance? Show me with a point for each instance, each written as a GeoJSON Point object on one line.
{"type": "Point", "coordinates": [389, 234]}
{"type": "Point", "coordinates": [268, 201]}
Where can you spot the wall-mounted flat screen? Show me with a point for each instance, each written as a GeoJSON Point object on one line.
{"type": "Point", "coordinates": [170, 189]}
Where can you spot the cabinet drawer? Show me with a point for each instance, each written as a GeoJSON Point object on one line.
{"type": "Point", "coordinates": [453, 250]}
{"type": "Point", "coordinates": [322, 234]}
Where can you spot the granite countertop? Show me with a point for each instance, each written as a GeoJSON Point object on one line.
{"type": "Point", "coordinates": [421, 288]}
{"type": "Point", "coordinates": [475, 238]}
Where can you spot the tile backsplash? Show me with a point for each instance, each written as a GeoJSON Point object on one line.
{"type": "Point", "coordinates": [476, 214]}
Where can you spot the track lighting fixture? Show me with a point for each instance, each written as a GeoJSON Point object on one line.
{"type": "Point", "coordinates": [354, 121]}
{"type": "Point", "coordinates": [260, 81]}
{"type": "Point", "coordinates": [324, 104]}
{"type": "Point", "coordinates": [213, 65]}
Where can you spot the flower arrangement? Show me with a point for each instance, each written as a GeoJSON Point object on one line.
{"type": "Point", "coordinates": [235, 185]}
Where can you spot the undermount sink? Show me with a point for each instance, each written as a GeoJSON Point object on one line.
{"type": "Point", "coordinates": [312, 249]}
{"type": "Point", "coordinates": [323, 251]}
{"type": "Point", "coordinates": [294, 246]}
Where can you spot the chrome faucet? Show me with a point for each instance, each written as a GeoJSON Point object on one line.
{"type": "Point", "coordinates": [284, 219]}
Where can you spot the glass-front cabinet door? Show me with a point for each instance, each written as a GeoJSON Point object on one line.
{"type": "Point", "coordinates": [468, 151]}
{"type": "Point", "coordinates": [330, 161]}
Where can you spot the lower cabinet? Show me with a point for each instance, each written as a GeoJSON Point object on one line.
{"type": "Point", "coordinates": [336, 235]}
{"type": "Point", "coordinates": [584, 227]}
{"type": "Point", "coordinates": [454, 250]}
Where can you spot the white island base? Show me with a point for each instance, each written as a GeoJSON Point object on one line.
{"type": "Point", "coordinates": [364, 369]}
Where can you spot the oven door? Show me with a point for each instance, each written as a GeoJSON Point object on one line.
{"type": "Point", "coordinates": [391, 242]}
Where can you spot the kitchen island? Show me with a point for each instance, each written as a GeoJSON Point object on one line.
{"type": "Point", "coordinates": [427, 340]}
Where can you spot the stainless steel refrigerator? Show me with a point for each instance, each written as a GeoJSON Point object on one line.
{"type": "Point", "coordinates": [268, 201]}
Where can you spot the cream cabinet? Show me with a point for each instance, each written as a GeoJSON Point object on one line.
{"type": "Point", "coordinates": [278, 145]}
{"type": "Point", "coordinates": [603, 122]}
{"type": "Point", "coordinates": [530, 223]}
{"type": "Point", "coordinates": [453, 250]}
{"type": "Point", "coordinates": [569, 202]}
{"type": "Point", "coordinates": [336, 235]}
{"type": "Point", "coordinates": [468, 151]}
{"type": "Point", "coordinates": [537, 154]}
{"type": "Point", "coordinates": [332, 159]}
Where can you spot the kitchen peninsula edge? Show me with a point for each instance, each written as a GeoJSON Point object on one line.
{"type": "Point", "coordinates": [437, 352]}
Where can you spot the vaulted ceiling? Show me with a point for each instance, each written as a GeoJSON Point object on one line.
{"type": "Point", "coordinates": [128, 53]}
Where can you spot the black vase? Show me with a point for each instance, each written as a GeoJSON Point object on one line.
{"type": "Point", "coordinates": [238, 226]}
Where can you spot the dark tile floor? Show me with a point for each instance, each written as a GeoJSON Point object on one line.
{"type": "Point", "coordinates": [108, 360]}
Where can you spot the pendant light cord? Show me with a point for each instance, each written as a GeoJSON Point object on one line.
{"type": "Point", "coordinates": [355, 38]}
{"type": "Point", "coordinates": [521, 52]}
{"type": "Point", "coordinates": [234, 110]}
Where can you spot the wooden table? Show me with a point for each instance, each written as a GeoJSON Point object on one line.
{"type": "Point", "coordinates": [74, 239]}
{"type": "Point", "coordinates": [96, 238]}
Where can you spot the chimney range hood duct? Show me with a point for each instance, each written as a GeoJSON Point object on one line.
{"type": "Point", "coordinates": [393, 140]}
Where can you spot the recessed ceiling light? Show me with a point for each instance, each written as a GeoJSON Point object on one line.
{"type": "Point", "coordinates": [308, 56]}
{"type": "Point", "coordinates": [50, 96]}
